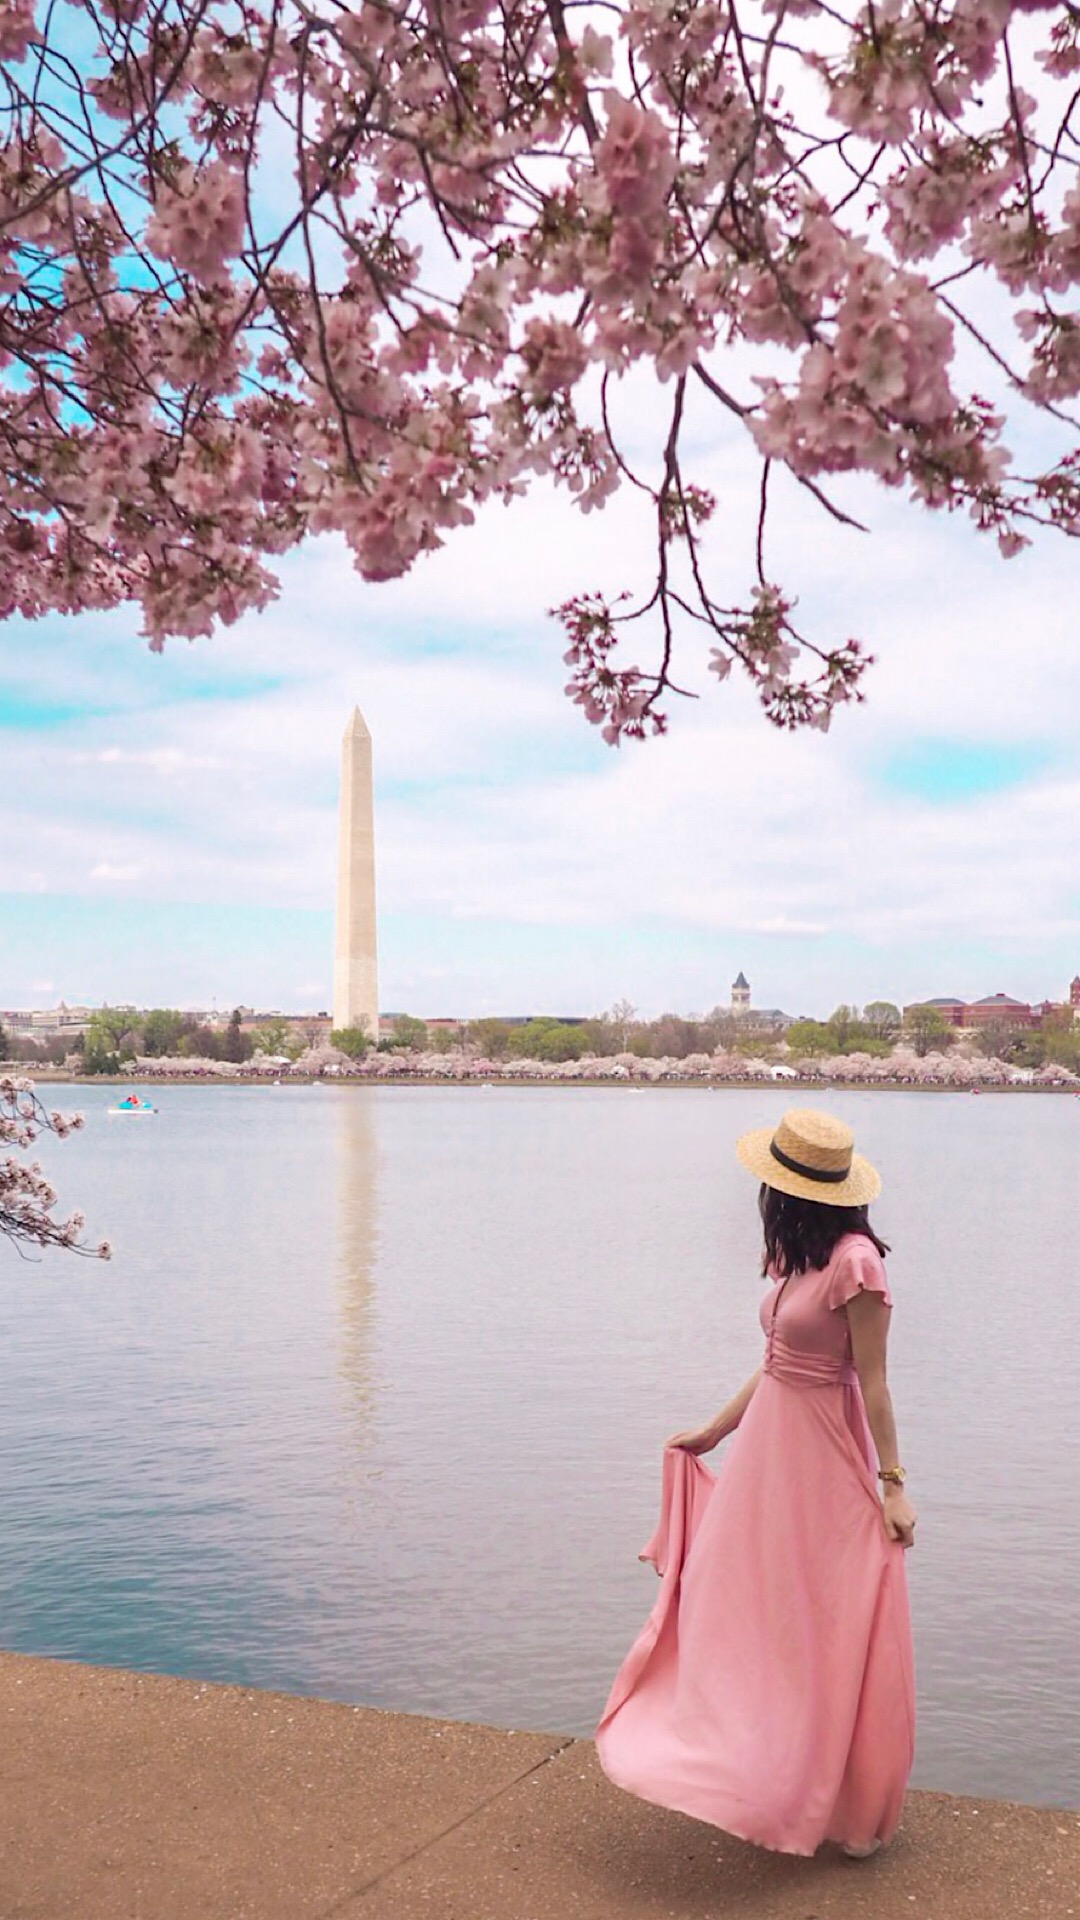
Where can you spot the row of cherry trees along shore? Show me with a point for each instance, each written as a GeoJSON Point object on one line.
{"type": "Point", "coordinates": [628, 1052]}
{"type": "Point", "coordinates": [903, 1067]}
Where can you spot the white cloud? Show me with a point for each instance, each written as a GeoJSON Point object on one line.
{"type": "Point", "coordinates": [500, 810]}
{"type": "Point", "coordinates": [155, 759]}
{"type": "Point", "coordinates": [793, 929]}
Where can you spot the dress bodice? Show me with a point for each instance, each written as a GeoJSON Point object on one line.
{"type": "Point", "coordinates": [807, 1338]}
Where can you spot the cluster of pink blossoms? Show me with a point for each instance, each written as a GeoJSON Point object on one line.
{"type": "Point", "coordinates": [17, 24]}
{"type": "Point", "coordinates": [27, 1200]}
{"type": "Point", "coordinates": [198, 221]}
{"type": "Point", "coordinates": [270, 271]}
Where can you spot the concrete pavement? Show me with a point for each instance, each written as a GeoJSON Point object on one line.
{"type": "Point", "coordinates": [134, 1797]}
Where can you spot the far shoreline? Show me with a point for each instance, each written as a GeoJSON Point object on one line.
{"type": "Point", "coordinates": [699, 1084]}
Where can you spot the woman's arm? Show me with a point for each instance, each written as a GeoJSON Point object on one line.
{"type": "Point", "coordinates": [704, 1439]}
{"type": "Point", "coordinates": [868, 1318]}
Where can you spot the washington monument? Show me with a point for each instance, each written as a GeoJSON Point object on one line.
{"type": "Point", "coordinates": [356, 984]}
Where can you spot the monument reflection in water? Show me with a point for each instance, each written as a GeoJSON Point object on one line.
{"type": "Point", "coordinates": [357, 1246]}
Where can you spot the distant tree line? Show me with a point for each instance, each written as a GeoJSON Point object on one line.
{"type": "Point", "coordinates": [550, 1039]}
{"type": "Point", "coordinates": [1056, 1043]}
{"type": "Point", "coordinates": [875, 1031]}
{"type": "Point", "coordinates": [408, 1031]}
{"type": "Point", "coordinates": [116, 1037]}
{"type": "Point", "coordinates": [48, 1051]}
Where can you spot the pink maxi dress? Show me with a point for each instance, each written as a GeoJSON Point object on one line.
{"type": "Point", "coordinates": [771, 1691]}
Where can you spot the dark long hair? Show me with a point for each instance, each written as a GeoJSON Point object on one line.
{"type": "Point", "coordinates": [800, 1235]}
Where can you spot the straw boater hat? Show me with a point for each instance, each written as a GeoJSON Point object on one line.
{"type": "Point", "coordinates": [812, 1156]}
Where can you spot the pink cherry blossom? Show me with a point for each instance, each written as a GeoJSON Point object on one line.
{"type": "Point", "coordinates": [555, 355]}
{"type": "Point", "coordinates": [198, 220]}
{"type": "Point", "coordinates": [17, 28]}
{"type": "Point", "coordinates": [27, 1198]}
{"type": "Point", "coordinates": [363, 270]}
{"type": "Point", "coordinates": [634, 159]}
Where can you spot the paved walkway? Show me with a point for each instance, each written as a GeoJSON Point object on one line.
{"type": "Point", "coordinates": [131, 1797]}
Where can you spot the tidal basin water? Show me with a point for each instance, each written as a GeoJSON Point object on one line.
{"type": "Point", "coordinates": [370, 1402]}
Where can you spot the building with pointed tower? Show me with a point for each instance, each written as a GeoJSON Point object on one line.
{"type": "Point", "coordinates": [740, 994]}
{"type": "Point", "coordinates": [356, 975]}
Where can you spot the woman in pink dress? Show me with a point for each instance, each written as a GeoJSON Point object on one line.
{"type": "Point", "coordinates": [771, 1691]}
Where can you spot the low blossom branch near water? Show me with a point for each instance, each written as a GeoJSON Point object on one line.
{"type": "Point", "coordinates": [27, 1200]}
{"type": "Point", "coordinates": [275, 269]}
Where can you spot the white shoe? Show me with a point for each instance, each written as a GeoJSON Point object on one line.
{"type": "Point", "coordinates": [861, 1853]}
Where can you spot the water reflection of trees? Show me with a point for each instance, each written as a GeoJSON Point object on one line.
{"type": "Point", "coordinates": [357, 1251]}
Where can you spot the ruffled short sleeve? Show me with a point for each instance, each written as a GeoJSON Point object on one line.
{"type": "Point", "coordinates": [857, 1266]}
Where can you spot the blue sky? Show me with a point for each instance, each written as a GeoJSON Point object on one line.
{"type": "Point", "coordinates": [169, 833]}
{"type": "Point", "coordinates": [955, 770]}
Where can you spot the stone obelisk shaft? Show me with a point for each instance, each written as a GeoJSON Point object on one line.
{"type": "Point", "coordinates": [356, 987]}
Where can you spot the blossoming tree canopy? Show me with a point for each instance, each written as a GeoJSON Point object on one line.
{"type": "Point", "coordinates": [282, 267]}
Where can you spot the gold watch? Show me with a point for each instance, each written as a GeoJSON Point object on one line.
{"type": "Point", "coordinates": [894, 1474]}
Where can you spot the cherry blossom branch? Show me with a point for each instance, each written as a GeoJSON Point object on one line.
{"type": "Point", "coordinates": [27, 1199]}
{"type": "Point", "coordinates": [488, 217]}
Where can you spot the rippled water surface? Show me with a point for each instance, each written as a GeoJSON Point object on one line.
{"type": "Point", "coordinates": [370, 1402]}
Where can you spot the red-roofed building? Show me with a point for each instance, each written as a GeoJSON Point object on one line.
{"type": "Point", "coordinates": [999, 1009]}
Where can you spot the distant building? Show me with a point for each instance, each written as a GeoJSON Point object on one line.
{"type": "Point", "coordinates": [774, 1017]}
{"type": "Point", "coordinates": [59, 1021]}
{"type": "Point", "coordinates": [994, 1010]}
{"type": "Point", "coordinates": [763, 1018]}
{"type": "Point", "coordinates": [999, 1010]}
{"type": "Point", "coordinates": [950, 1008]}
{"type": "Point", "coordinates": [1062, 1009]}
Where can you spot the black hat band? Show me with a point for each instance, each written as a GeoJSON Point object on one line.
{"type": "Point", "coordinates": [808, 1173]}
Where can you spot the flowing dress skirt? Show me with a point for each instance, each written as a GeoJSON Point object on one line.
{"type": "Point", "coordinates": [771, 1691]}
